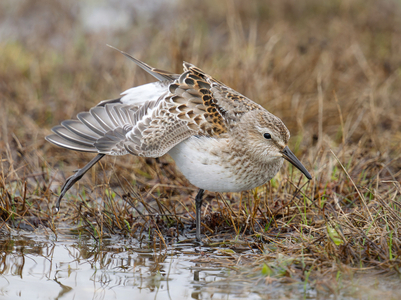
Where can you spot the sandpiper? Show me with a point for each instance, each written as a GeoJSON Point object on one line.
{"type": "Point", "coordinates": [220, 140]}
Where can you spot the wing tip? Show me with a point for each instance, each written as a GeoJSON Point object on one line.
{"type": "Point", "coordinates": [110, 101]}
{"type": "Point", "coordinates": [63, 143]}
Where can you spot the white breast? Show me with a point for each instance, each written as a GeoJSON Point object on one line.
{"type": "Point", "coordinates": [196, 159]}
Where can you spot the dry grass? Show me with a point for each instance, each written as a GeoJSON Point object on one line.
{"type": "Point", "coordinates": [330, 71]}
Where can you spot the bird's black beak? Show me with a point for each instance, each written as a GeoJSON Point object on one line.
{"type": "Point", "coordinates": [288, 155]}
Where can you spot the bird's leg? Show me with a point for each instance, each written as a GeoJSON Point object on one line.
{"type": "Point", "coordinates": [198, 203]}
{"type": "Point", "coordinates": [76, 177]}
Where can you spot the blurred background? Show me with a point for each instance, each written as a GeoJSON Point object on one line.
{"type": "Point", "coordinates": [329, 69]}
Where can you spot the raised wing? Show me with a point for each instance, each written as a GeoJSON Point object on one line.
{"type": "Point", "coordinates": [225, 98]}
{"type": "Point", "coordinates": [151, 119]}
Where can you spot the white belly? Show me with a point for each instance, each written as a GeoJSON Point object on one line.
{"type": "Point", "coordinates": [195, 159]}
{"type": "Point", "coordinates": [202, 169]}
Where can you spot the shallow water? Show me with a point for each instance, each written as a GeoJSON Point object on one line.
{"type": "Point", "coordinates": [73, 267]}
{"type": "Point", "coordinates": [79, 268]}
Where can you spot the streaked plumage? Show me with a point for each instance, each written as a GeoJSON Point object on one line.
{"type": "Point", "coordinates": [216, 135]}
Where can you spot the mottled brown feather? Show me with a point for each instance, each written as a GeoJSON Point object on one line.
{"type": "Point", "coordinates": [194, 104]}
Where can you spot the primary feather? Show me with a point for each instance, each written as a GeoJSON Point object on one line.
{"type": "Point", "coordinates": [151, 119]}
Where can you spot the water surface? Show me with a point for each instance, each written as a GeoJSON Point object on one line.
{"type": "Point", "coordinates": [71, 266]}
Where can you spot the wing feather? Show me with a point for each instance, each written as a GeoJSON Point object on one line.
{"type": "Point", "coordinates": [159, 74]}
{"type": "Point", "coordinates": [151, 119]}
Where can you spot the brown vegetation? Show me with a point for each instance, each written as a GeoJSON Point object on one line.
{"type": "Point", "coordinates": [330, 71]}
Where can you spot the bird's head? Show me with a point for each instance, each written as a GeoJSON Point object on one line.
{"type": "Point", "coordinates": [267, 137]}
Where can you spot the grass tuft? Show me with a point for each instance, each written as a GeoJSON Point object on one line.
{"type": "Point", "coordinates": [330, 71]}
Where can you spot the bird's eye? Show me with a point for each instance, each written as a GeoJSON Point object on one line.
{"type": "Point", "coordinates": [267, 136]}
